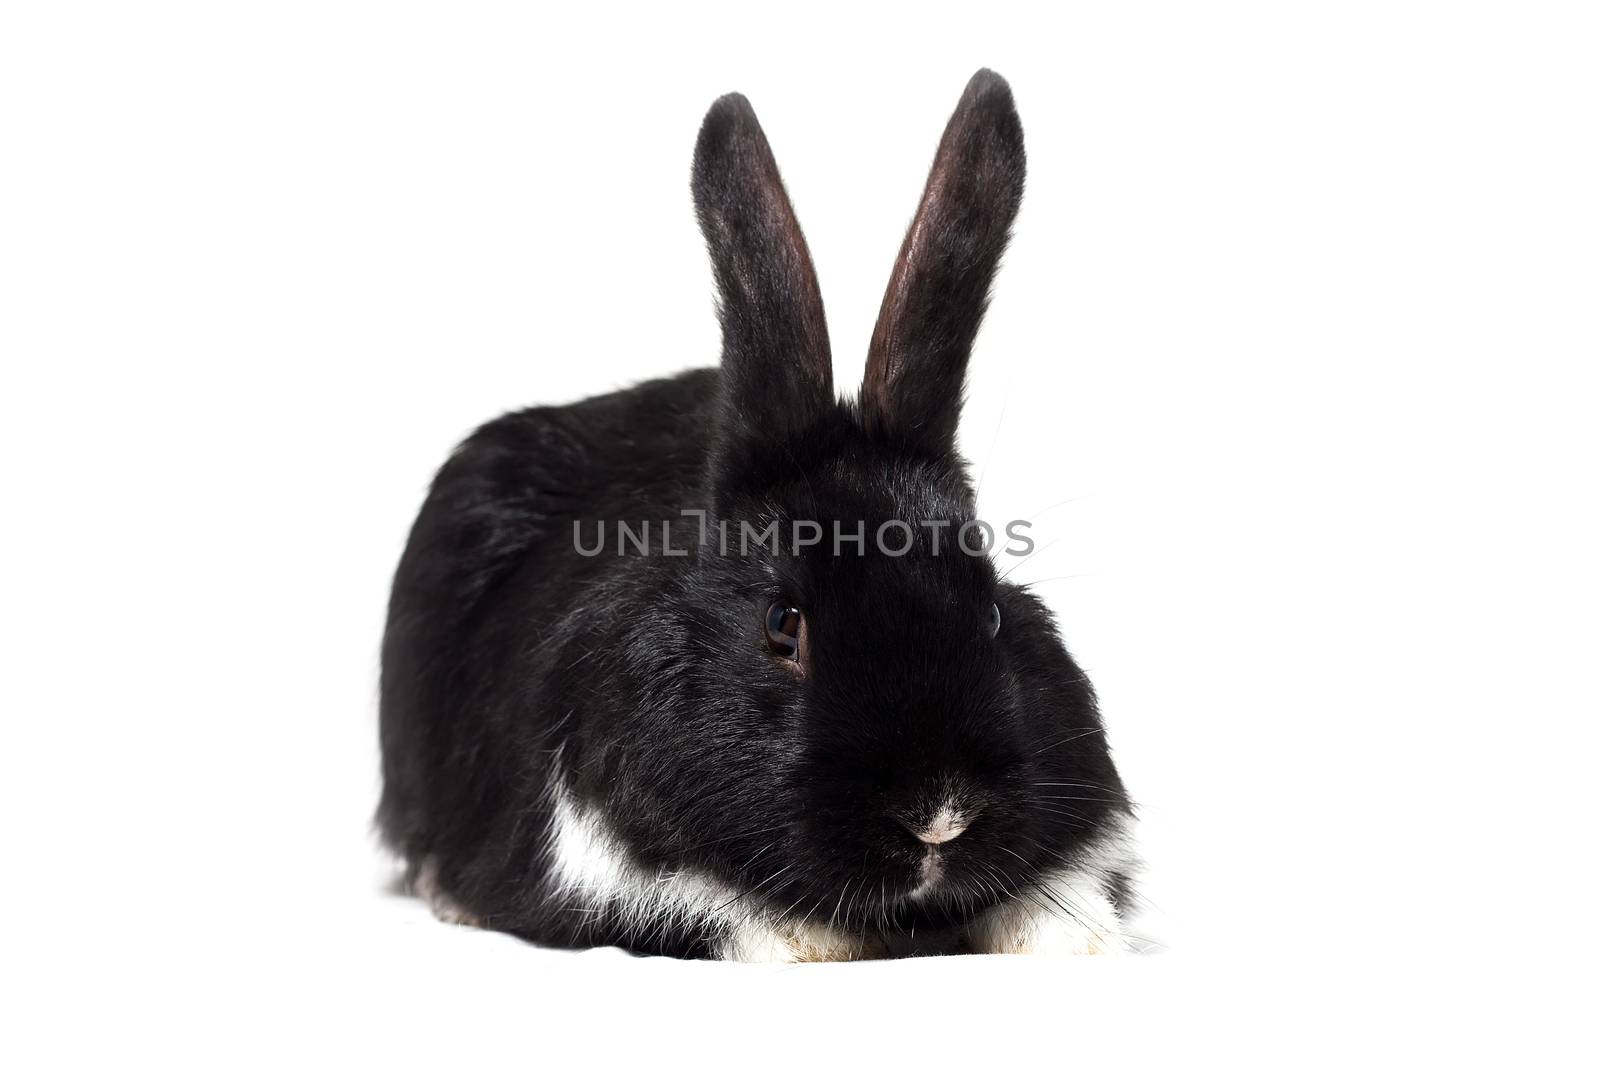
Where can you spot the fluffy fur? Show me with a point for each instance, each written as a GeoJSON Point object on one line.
{"type": "Point", "coordinates": [601, 750]}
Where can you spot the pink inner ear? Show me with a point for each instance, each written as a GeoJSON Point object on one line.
{"type": "Point", "coordinates": [937, 292]}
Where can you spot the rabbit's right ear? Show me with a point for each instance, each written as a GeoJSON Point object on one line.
{"type": "Point", "coordinates": [777, 369]}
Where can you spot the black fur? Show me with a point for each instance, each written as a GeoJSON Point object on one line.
{"type": "Point", "coordinates": [641, 683]}
{"type": "Point", "coordinates": [776, 366]}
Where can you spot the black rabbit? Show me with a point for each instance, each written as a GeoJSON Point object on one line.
{"type": "Point", "coordinates": [755, 726]}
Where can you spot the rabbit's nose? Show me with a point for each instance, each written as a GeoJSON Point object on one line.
{"type": "Point", "coordinates": [945, 824]}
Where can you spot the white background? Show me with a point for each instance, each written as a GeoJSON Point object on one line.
{"type": "Point", "coordinates": [1293, 361]}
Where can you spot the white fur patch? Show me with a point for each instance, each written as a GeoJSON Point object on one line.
{"type": "Point", "coordinates": [1069, 913]}
{"type": "Point", "coordinates": [590, 869]}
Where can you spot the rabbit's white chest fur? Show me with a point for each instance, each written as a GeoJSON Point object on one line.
{"type": "Point", "coordinates": [589, 866]}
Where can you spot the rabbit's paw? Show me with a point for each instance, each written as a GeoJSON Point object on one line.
{"type": "Point", "coordinates": [445, 908]}
{"type": "Point", "coordinates": [1070, 915]}
{"type": "Point", "coordinates": [756, 942]}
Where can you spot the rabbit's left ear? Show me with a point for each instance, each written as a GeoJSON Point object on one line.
{"type": "Point", "coordinates": [917, 363]}
{"type": "Point", "coordinates": [777, 369]}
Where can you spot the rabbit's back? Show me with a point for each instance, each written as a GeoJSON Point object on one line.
{"type": "Point", "coordinates": [491, 549]}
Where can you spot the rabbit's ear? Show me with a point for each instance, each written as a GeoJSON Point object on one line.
{"type": "Point", "coordinates": [916, 366]}
{"type": "Point", "coordinates": [776, 366]}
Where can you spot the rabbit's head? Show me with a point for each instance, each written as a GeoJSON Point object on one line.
{"type": "Point", "coordinates": [887, 731]}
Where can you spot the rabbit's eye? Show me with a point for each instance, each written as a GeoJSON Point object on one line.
{"type": "Point", "coordinates": [785, 625]}
{"type": "Point", "coordinates": [994, 619]}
